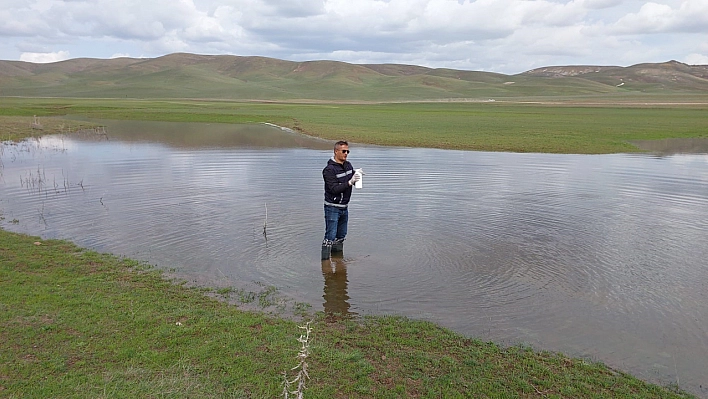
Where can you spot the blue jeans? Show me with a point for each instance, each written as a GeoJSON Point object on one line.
{"type": "Point", "coordinates": [335, 223]}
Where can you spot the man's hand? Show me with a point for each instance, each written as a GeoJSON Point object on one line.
{"type": "Point", "coordinates": [354, 179]}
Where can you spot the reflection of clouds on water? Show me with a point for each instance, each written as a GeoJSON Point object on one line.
{"type": "Point", "coordinates": [689, 161]}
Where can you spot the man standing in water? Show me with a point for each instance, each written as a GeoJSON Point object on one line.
{"type": "Point", "coordinates": [339, 177]}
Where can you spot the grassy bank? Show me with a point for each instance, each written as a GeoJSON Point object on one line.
{"type": "Point", "coordinates": [565, 127]}
{"type": "Point", "coordinates": [14, 128]}
{"type": "Point", "coordinates": [76, 323]}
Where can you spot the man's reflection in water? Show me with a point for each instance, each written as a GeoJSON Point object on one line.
{"type": "Point", "coordinates": [336, 298]}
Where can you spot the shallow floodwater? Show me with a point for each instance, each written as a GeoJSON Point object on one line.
{"type": "Point", "coordinates": [600, 256]}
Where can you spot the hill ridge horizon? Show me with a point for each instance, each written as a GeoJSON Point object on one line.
{"type": "Point", "coordinates": [189, 75]}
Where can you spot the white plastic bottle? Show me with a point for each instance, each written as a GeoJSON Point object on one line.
{"type": "Point", "coordinates": [358, 183]}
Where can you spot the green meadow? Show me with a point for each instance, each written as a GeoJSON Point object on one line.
{"type": "Point", "coordinates": [79, 324]}
{"type": "Point", "coordinates": [599, 126]}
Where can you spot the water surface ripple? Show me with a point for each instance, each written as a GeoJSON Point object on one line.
{"type": "Point", "coordinates": [598, 256]}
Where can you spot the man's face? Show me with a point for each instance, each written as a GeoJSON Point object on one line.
{"type": "Point", "coordinates": [340, 153]}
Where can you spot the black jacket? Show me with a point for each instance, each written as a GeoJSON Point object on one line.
{"type": "Point", "coordinates": [336, 183]}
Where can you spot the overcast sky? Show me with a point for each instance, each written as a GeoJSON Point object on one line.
{"type": "Point", "coordinates": [506, 36]}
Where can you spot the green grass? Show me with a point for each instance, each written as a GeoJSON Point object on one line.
{"type": "Point", "coordinates": [566, 127]}
{"type": "Point", "coordinates": [80, 324]}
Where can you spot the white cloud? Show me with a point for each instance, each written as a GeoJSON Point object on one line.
{"type": "Point", "coordinates": [506, 36]}
{"type": "Point", "coordinates": [44, 58]}
{"type": "Point", "coordinates": [205, 29]}
{"type": "Point", "coordinates": [652, 17]}
{"type": "Point", "coordinates": [692, 16]}
{"type": "Point", "coordinates": [688, 16]}
{"type": "Point", "coordinates": [696, 59]}
{"type": "Point", "coordinates": [600, 4]}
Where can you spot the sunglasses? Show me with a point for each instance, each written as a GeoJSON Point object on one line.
{"type": "Point", "coordinates": [345, 151]}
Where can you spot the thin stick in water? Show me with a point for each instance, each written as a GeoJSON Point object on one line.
{"type": "Point", "coordinates": [265, 223]}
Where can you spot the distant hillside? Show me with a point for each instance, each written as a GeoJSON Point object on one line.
{"type": "Point", "coordinates": [672, 75]}
{"type": "Point", "coordinates": [260, 78]}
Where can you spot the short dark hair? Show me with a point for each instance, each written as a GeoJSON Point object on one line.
{"type": "Point", "coordinates": [339, 144]}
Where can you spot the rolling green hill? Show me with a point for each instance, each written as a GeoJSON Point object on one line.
{"type": "Point", "coordinates": [260, 78]}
